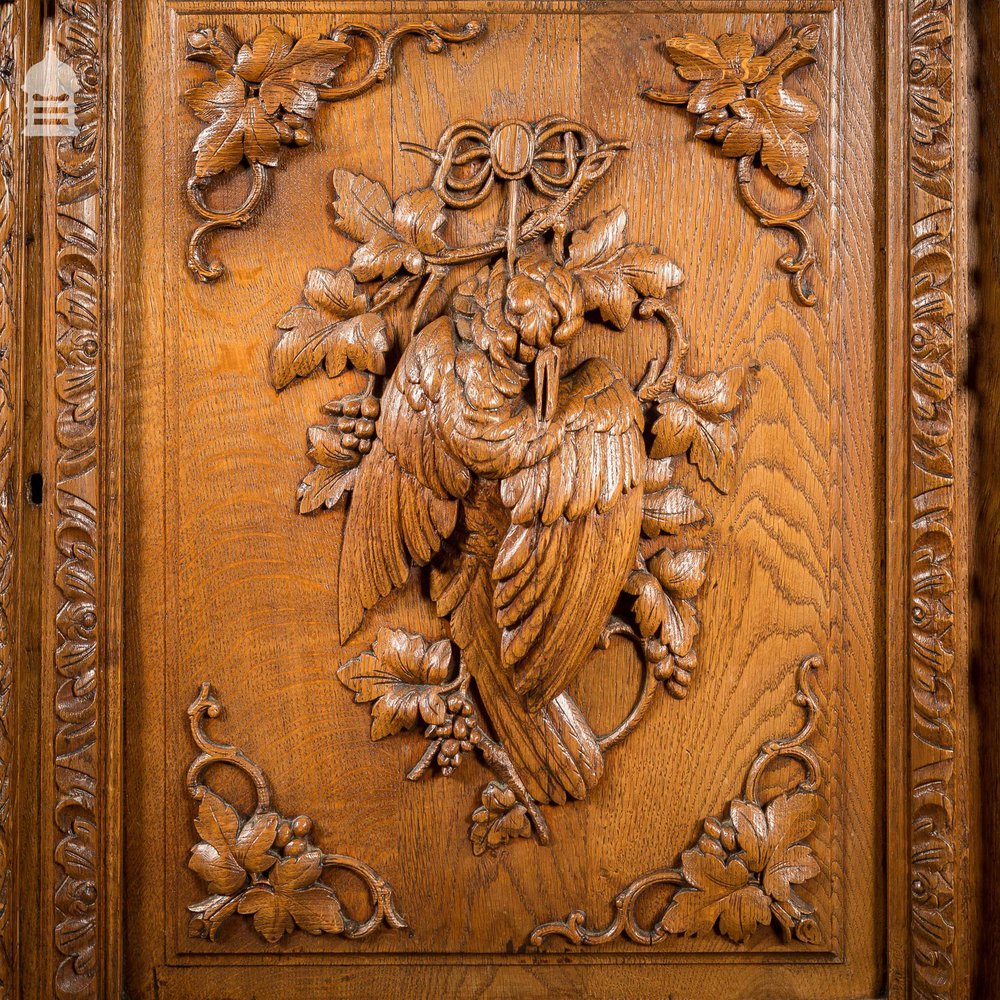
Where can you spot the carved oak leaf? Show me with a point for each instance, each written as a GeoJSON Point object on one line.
{"type": "Point", "coordinates": [614, 274]}
{"type": "Point", "coordinates": [721, 891]}
{"type": "Point", "coordinates": [238, 128]}
{"type": "Point", "coordinates": [294, 896]}
{"type": "Point", "coordinates": [228, 851]}
{"type": "Point", "coordinates": [403, 675]}
{"type": "Point", "coordinates": [769, 840]}
{"type": "Point", "coordinates": [287, 69]}
{"type": "Point", "coordinates": [393, 238]}
{"type": "Point", "coordinates": [333, 474]}
{"type": "Point", "coordinates": [332, 327]}
{"type": "Point", "coordinates": [722, 68]}
{"type": "Point", "coordinates": [500, 819]}
{"type": "Point", "coordinates": [695, 418]}
{"type": "Point", "coordinates": [773, 123]}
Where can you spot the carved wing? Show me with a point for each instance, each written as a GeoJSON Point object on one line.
{"type": "Point", "coordinates": [405, 499]}
{"type": "Point", "coordinates": [575, 513]}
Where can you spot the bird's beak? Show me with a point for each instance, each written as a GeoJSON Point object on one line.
{"type": "Point", "coordinates": [546, 384]}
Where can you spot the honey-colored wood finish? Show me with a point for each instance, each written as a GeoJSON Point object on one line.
{"type": "Point", "coordinates": [504, 481]}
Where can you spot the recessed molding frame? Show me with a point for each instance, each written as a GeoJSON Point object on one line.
{"type": "Point", "coordinates": [61, 704]}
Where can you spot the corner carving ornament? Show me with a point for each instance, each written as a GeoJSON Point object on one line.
{"type": "Point", "coordinates": [740, 101]}
{"type": "Point", "coordinates": [266, 866]}
{"type": "Point", "coordinates": [263, 95]}
{"type": "Point", "coordinates": [743, 871]}
{"type": "Point", "coordinates": [543, 504]}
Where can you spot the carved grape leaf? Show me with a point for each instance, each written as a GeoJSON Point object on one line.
{"type": "Point", "coordinates": [772, 123]}
{"type": "Point", "coordinates": [769, 840]}
{"type": "Point", "coordinates": [721, 890]}
{"type": "Point", "coordinates": [663, 594]}
{"type": "Point", "coordinates": [228, 851]}
{"type": "Point", "coordinates": [668, 511]}
{"type": "Point", "coordinates": [614, 274]}
{"type": "Point", "coordinates": [287, 70]}
{"type": "Point", "coordinates": [333, 327]}
{"type": "Point", "coordinates": [695, 418]}
{"type": "Point", "coordinates": [333, 474]}
{"type": "Point", "coordinates": [294, 896]}
{"type": "Point", "coordinates": [402, 674]}
{"type": "Point", "coordinates": [238, 128]}
{"type": "Point", "coordinates": [722, 68]}
{"type": "Point", "coordinates": [500, 819]}
{"type": "Point", "coordinates": [393, 237]}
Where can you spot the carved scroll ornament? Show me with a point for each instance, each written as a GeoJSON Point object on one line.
{"type": "Point", "coordinates": [740, 100]}
{"type": "Point", "coordinates": [263, 95]}
{"type": "Point", "coordinates": [543, 503]}
{"type": "Point", "coordinates": [266, 866]}
{"type": "Point", "coordinates": [741, 873]}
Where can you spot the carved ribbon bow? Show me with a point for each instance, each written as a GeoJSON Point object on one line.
{"type": "Point", "coordinates": [470, 156]}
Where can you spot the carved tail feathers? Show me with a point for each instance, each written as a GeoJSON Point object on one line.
{"type": "Point", "coordinates": [553, 749]}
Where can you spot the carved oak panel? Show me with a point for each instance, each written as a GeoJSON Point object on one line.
{"type": "Point", "coordinates": [503, 402]}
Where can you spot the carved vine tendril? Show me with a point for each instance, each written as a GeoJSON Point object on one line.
{"type": "Point", "coordinates": [740, 101]}
{"type": "Point", "coordinates": [263, 95]}
{"type": "Point", "coordinates": [266, 865]}
{"type": "Point", "coordinates": [740, 873]}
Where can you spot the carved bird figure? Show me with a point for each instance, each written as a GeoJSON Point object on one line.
{"type": "Point", "coordinates": [518, 483]}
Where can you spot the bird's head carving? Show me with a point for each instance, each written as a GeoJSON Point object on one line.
{"type": "Point", "coordinates": [523, 320]}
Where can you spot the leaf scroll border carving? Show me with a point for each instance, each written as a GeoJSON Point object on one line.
{"type": "Point", "coordinates": [928, 961]}
{"type": "Point", "coordinates": [935, 674]}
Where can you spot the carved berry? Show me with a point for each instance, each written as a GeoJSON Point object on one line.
{"type": "Point", "coordinates": [295, 848]}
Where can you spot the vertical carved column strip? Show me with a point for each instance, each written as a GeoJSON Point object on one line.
{"type": "Point", "coordinates": [10, 129]}
{"type": "Point", "coordinates": [937, 625]}
{"type": "Point", "coordinates": [80, 786]}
